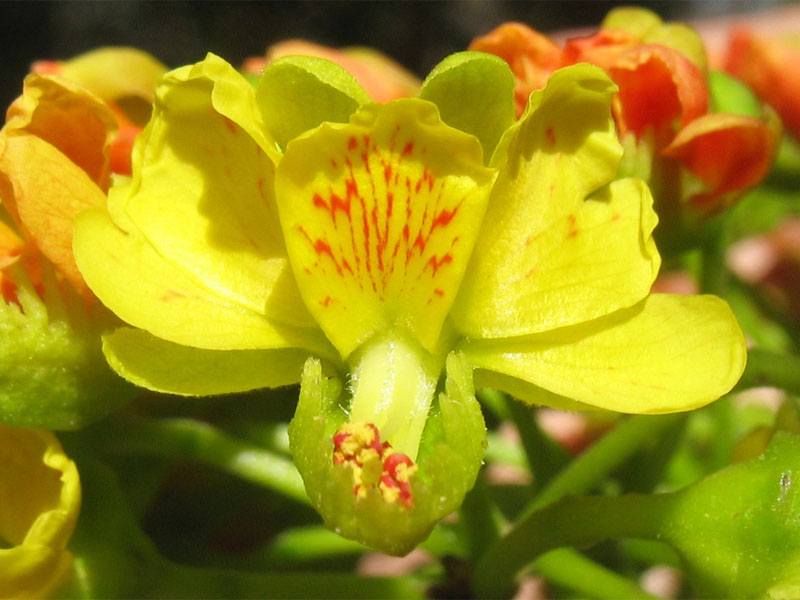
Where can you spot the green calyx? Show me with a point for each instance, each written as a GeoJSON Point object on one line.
{"type": "Point", "coordinates": [51, 367]}
{"type": "Point", "coordinates": [447, 463]}
{"type": "Point", "coordinates": [474, 92]}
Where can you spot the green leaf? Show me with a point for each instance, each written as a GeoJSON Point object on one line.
{"type": "Point", "coordinates": [737, 530]}
{"type": "Point", "coordinates": [449, 458]}
{"type": "Point", "coordinates": [475, 93]}
{"type": "Point", "coordinates": [297, 93]}
{"type": "Point", "coordinates": [164, 366]}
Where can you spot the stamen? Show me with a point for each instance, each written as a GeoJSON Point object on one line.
{"type": "Point", "coordinates": [357, 444]}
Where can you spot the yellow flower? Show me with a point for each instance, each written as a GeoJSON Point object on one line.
{"type": "Point", "coordinates": [377, 239]}
{"type": "Point", "coordinates": [354, 243]}
{"type": "Point", "coordinates": [40, 498]}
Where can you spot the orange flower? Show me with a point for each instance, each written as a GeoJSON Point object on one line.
{"type": "Point", "coordinates": [532, 57]}
{"type": "Point", "coordinates": [125, 79]}
{"type": "Point", "coordinates": [693, 159]}
{"type": "Point", "coordinates": [770, 67]}
{"type": "Point", "coordinates": [53, 164]}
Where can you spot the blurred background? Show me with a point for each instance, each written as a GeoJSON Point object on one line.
{"type": "Point", "coordinates": [418, 34]}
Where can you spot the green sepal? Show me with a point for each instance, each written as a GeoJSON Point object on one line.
{"type": "Point", "coordinates": [52, 372]}
{"type": "Point", "coordinates": [737, 530]}
{"type": "Point", "coordinates": [297, 93]}
{"type": "Point", "coordinates": [729, 95]}
{"type": "Point", "coordinates": [475, 93]}
{"type": "Point", "coordinates": [450, 455]}
{"type": "Point", "coordinates": [682, 38]}
{"type": "Point", "coordinates": [633, 19]}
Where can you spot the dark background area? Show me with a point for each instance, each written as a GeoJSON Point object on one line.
{"type": "Point", "coordinates": [418, 34]}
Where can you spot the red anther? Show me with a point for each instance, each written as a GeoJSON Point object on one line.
{"type": "Point", "coordinates": [406, 496]}
{"type": "Point", "coordinates": [389, 481]}
{"type": "Point", "coordinates": [339, 438]}
{"type": "Point", "coordinates": [394, 460]}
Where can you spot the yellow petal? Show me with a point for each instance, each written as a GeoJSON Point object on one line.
{"type": "Point", "coordinates": [115, 72]}
{"type": "Point", "coordinates": [379, 217]}
{"type": "Point", "coordinates": [667, 354]}
{"type": "Point", "coordinates": [202, 190]}
{"type": "Point", "coordinates": [40, 500]}
{"type": "Point", "coordinates": [147, 291]}
{"type": "Point", "coordinates": [48, 191]}
{"type": "Point", "coordinates": [174, 369]}
{"type": "Point", "coordinates": [548, 256]}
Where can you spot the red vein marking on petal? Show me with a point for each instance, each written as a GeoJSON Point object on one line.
{"type": "Point", "coordinates": [572, 229]}
{"type": "Point", "coordinates": [171, 295]}
{"type": "Point", "coordinates": [230, 125]}
{"type": "Point", "coordinates": [408, 148]}
{"type": "Point", "coordinates": [436, 263]}
{"type": "Point", "coordinates": [551, 135]}
{"type": "Point", "coordinates": [352, 143]}
{"type": "Point", "coordinates": [326, 301]}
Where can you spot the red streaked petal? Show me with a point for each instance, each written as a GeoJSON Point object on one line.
{"type": "Point", "coordinates": [379, 218]}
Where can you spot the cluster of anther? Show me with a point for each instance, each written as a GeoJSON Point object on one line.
{"type": "Point", "coordinates": [358, 445]}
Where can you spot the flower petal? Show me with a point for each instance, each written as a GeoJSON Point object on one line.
{"type": "Point", "coordinates": [149, 292]}
{"type": "Point", "coordinates": [297, 93]}
{"type": "Point", "coordinates": [202, 191]}
{"type": "Point", "coordinates": [381, 77]}
{"type": "Point", "coordinates": [380, 217]}
{"type": "Point", "coordinates": [68, 117]}
{"type": "Point", "coordinates": [47, 190]}
{"type": "Point", "coordinates": [658, 88]}
{"type": "Point", "coordinates": [768, 65]}
{"type": "Point", "coordinates": [166, 367]}
{"type": "Point", "coordinates": [532, 57]}
{"type": "Point", "coordinates": [40, 499]}
{"type": "Point", "coordinates": [546, 256]}
{"type": "Point", "coordinates": [669, 353]}
{"type": "Point", "coordinates": [727, 152]}
{"type": "Point", "coordinates": [115, 72]}
{"type": "Point", "coordinates": [474, 92]}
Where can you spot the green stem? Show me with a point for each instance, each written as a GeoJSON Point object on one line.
{"type": "Point", "coordinates": [584, 473]}
{"type": "Point", "coordinates": [591, 467]}
{"type": "Point", "coordinates": [307, 544]}
{"type": "Point", "coordinates": [178, 581]}
{"type": "Point", "coordinates": [714, 274]}
{"type": "Point", "coordinates": [188, 439]}
{"type": "Point", "coordinates": [572, 570]}
{"type": "Point", "coordinates": [579, 522]}
{"type": "Point", "coordinates": [480, 519]}
{"type": "Point", "coordinates": [545, 458]}
{"type": "Point", "coordinates": [771, 368]}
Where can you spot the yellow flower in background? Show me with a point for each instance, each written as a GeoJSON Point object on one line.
{"type": "Point", "coordinates": [40, 499]}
